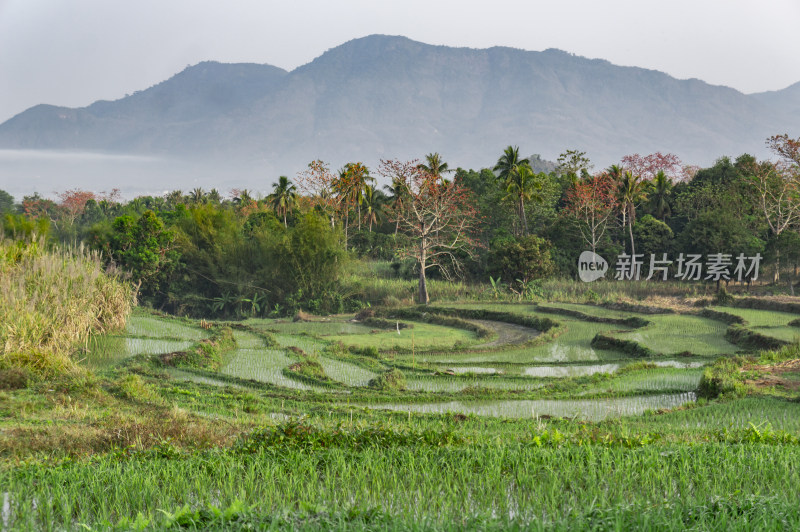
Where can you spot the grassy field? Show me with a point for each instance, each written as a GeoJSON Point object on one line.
{"type": "Point", "coordinates": [299, 428]}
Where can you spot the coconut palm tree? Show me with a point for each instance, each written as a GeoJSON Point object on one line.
{"type": "Point", "coordinates": [518, 182]}
{"type": "Point", "coordinates": [283, 197]}
{"type": "Point", "coordinates": [630, 192]}
{"type": "Point", "coordinates": [373, 205]}
{"type": "Point", "coordinates": [660, 190]}
{"type": "Point", "coordinates": [399, 193]}
{"type": "Point", "coordinates": [214, 196]}
{"type": "Point", "coordinates": [174, 198]}
{"type": "Point", "coordinates": [350, 187]}
{"type": "Point", "coordinates": [197, 196]}
{"type": "Point", "coordinates": [522, 185]}
{"type": "Point", "coordinates": [435, 166]}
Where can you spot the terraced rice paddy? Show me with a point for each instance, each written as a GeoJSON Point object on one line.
{"type": "Point", "coordinates": [458, 384]}
{"type": "Point", "coordinates": [524, 431]}
{"type": "Point", "coordinates": [263, 365]}
{"type": "Point", "coordinates": [569, 371]}
{"type": "Point", "coordinates": [521, 362]}
{"type": "Point", "coordinates": [346, 373]}
{"type": "Point", "coordinates": [590, 410]}
{"type": "Point", "coordinates": [572, 345]}
{"type": "Point", "coordinates": [153, 327]}
{"type": "Point", "coordinates": [422, 337]}
{"type": "Point", "coordinates": [672, 334]}
{"type": "Point", "coordinates": [767, 322]}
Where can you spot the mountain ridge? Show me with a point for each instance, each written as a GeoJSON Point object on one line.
{"type": "Point", "coordinates": [388, 96]}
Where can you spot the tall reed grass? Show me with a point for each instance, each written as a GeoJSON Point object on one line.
{"type": "Point", "coordinates": [52, 300]}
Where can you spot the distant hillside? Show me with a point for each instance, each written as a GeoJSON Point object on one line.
{"type": "Point", "coordinates": [382, 96]}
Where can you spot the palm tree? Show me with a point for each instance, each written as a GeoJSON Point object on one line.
{"type": "Point", "coordinates": [629, 193]}
{"type": "Point", "coordinates": [660, 188]}
{"type": "Point", "coordinates": [242, 198]}
{"type": "Point", "coordinates": [435, 166]}
{"type": "Point", "coordinates": [197, 196]}
{"type": "Point", "coordinates": [174, 198]}
{"type": "Point", "coordinates": [508, 169]}
{"type": "Point", "coordinates": [399, 191]}
{"type": "Point", "coordinates": [283, 197]}
{"type": "Point", "coordinates": [373, 205]}
{"type": "Point", "coordinates": [350, 187]}
{"type": "Point", "coordinates": [509, 162]}
{"type": "Point", "coordinates": [615, 172]}
{"type": "Point", "coordinates": [521, 185]}
{"type": "Point", "coordinates": [214, 196]}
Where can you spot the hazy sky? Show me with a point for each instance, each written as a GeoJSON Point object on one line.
{"type": "Point", "coordinates": [73, 52]}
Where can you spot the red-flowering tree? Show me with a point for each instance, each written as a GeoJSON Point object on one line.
{"type": "Point", "coordinates": [438, 216]}
{"type": "Point", "coordinates": [648, 166]}
{"type": "Point", "coordinates": [73, 203]}
{"type": "Point", "coordinates": [591, 204]}
{"type": "Point", "coordinates": [785, 147]}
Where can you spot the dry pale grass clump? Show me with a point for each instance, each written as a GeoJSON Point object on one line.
{"type": "Point", "coordinates": [51, 301]}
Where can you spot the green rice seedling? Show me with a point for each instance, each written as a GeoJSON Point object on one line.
{"type": "Point", "coordinates": [106, 350]}
{"type": "Point", "coordinates": [157, 327]}
{"type": "Point", "coordinates": [653, 380]}
{"type": "Point", "coordinates": [184, 375]}
{"type": "Point", "coordinates": [770, 323]}
{"type": "Point", "coordinates": [306, 344]}
{"type": "Point", "coordinates": [263, 365]}
{"type": "Point", "coordinates": [682, 333]}
{"type": "Point", "coordinates": [714, 416]}
{"type": "Point", "coordinates": [572, 345]}
{"type": "Point", "coordinates": [572, 370]}
{"type": "Point", "coordinates": [593, 310]}
{"type": "Point", "coordinates": [460, 383]}
{"type": "Point", "coordinates": [345, 372]}
{"type": "Point", "coordinates": [335, 327]}
{"type": "Point", "coordinates": [497, 487]}
{"type": "Point", "coordinates": [477, 370]}
{"type": "Point", "coordinates": [587, 409]}
{"type": "Point", "coordinates": [422, 337]}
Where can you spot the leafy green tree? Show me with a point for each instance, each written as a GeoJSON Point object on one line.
{"type": "Point", "coordinates": [6, 202]}
{"type": "Point", "coordinates": [313, 260]}
{"type": "Point", "coordinates": [520, 260]}
{"type": "Point", "coordinates": [283, 197]}
{"type": "Point", "coordinates": [145, 248]}
{"type": "Point", "coordinates": [653, 237]}
{"type": "Point", "coordinates": [573, 164]}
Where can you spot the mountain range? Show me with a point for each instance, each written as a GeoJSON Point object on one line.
{"type": "Point", "coordinates": [384, 96]}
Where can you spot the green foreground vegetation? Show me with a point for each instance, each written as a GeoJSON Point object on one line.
{"type": "Point", "coordinates": [450, 416]}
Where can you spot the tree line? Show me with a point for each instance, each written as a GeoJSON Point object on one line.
{"type": "Point", "coordinates": [511, 224]}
